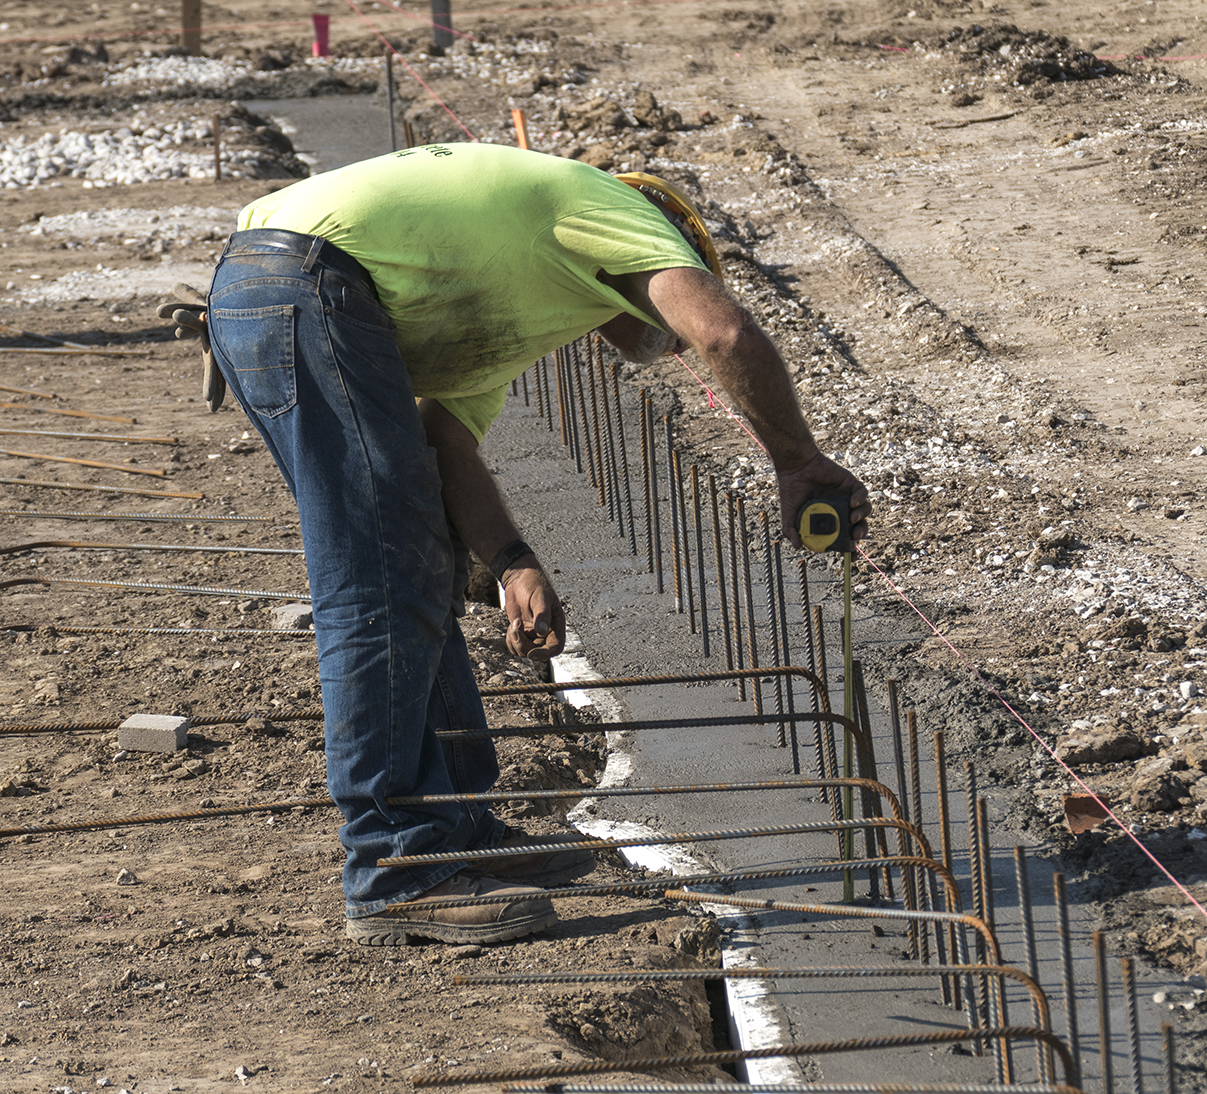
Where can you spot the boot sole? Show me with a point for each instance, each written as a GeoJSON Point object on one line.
{"type": "Point", "coordinates": [378, 931]}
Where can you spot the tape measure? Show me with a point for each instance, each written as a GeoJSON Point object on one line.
{"type": "Point", "coordinates": [824, 524]}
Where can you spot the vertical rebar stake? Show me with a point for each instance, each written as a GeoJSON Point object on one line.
{"type": "Point", "coordinates": [756, 685]}
{"type": "Point", "coordinates": [786, 656]}
{"type": "Point", "coordinates": [1106, 1057]}
{"type": "Point", "coordinates": [573, 379]}
{"type": "Point", "coordinates": [894, 714]}
{"type": "Point", "coordinates": [645, 482]}
{"type": "Point", "coordinates": [945, 837]}
{"type": "Point", "coordinates": [1072, 1035]}
{"type": "Point", "coordinates": [677, 487]}
{"type": "Point", "coordinates": [823, 675]}
{"type": "Point", "coordinates": [1133, 1026]}
{"type": "Point", "coordinates": [701, 571]}
{"type": "Point", "coordinates": [601, 487]}
{"type": "Point", "coordinates": [716, 550]}
{"type": "Point", "coordinates": [624, 462]}
{"type": "Point", "coordinates": [614, 501]}
{"type": "Point", "coordinates": [733, 588]}
{"type": "Point", "coordinates": [676, 566]}
{"type": "Point", "coordinates": [656, 516]}
{"type": "Point", "coordinates": [827, 792]}
{"type": "Point", "coordinates": [587, 433]}
{"type": "Point", "coordinates": [544, 371]}
{"type": "Point", "coordinates": [1171, 1074]}
{"type": "Point", "coordinates": [773, 626]}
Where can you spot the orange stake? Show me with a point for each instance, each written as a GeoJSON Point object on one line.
{"type": "Point", "coordinates": [521, 128]}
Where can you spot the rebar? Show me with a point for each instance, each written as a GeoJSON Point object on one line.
{"type": "Point", "coordinates": [50, 484]}
{"type": "Point", "coordinates": [823, 688]}
{"type": "Point", "coordinates": [583, 417]}
{"type": "Point", "coordinates": [785, 657]}
{"type": "Point", "coordinates": [130, 516]}
{"type": "Point", "coordinates": [661, 839]}
{"type": "Point", "coordinates": [615, 510]}
{"type": "Point", "coordinates": [1133, 1023]}
{"type": "Point", "coordinates": [701, 572]}
{"type": "Point", "coordinates": [649, 886]}
{"type": "Point", "coordinates": [599, 1067]}
{"type": "Point", "coordinates": [720, 567]}
{"type": "Point", "coordinates": [1068, 983]}
{"type": "Point", "coordinates": [41, 544]}
{"type": "Point", "coordinates": [773, 628]}
{"type": "Point", "coordinates": [894, 714]}
{"type": "Point", "coordinates": [603, 486]}
{"type": "Point", "coordinates": [1027, 920]}
{"type": "Point", "coordinates": [944, 825]}
{"type": "Point", "coordinates": [1107, 1063]}
{"type": "Point", "coordinates": [739, 652]}
{"type": "Point", "coordinates": [559, 375]}
{"type": "Point", "coordinates": [205, 590]}
{"type": "Point", "coordinates": [784, 1088]}
{"type": "Point", "coordinates": [677, 487]}
{"type": "Point", "coordinates": [69, 413]}
{"type": "Point", "coordinates": [655, 515]}
{"type": "Point", "coordinates": [1001, 1017]}
{"type": "Point", "coordinates": [543, 374]}
{"type": "Point", "coordinates": [87, 436]}
{"type": "Point", "coordinates": [1167, 1058]}
{"type": "Point", "coordinates": [818, 743]}
{"type": "Point", "coordinates": [756, 686]}
{"type": "Point", "coordinates": [645, 482]}
{"type": "Point", "coordinates": [623, 470]}
{"type": "Point", "coordinates": [676, 565]}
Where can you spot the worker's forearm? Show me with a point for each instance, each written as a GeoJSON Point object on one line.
{"type": "Point", "coordinates": [750, 369]}
{"type": "Point", "coordinates": [472, 500]}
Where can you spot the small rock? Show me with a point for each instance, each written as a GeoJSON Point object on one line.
{"type": "Point", "coordinates": [291, 617]}
{"type": "Point", "coordinates": [457, 953]}
{"type": "Point", "coordinates": [126, 877]}
{"type": "Point", "coordinates": [1100, 745]}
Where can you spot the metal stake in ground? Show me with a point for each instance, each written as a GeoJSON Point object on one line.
{"type": "Point", "coordinates": [677, 486]}
{"type": "Point", "coordinates": [655, 514]}
{"type": "Point", "coordinates": [773, 628]}
{"type": "Point", "coordinates": [756, 686]}
{"type": "Point", "coordinates": [670, 489]}
{"type": "Point", "coordinates": [1107, 1065]}
{"type": "Point", "coordinates": [700, 571]}
{"type": "Point", "coordinates": [737, 603]}
{"type": "Point", "coordinates": [716, 550]}
{"type": "Point", "coordinates": [624, 462]}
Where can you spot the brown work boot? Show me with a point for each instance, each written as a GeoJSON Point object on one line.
{"type": "Point", "coordinates": [561, 863]}
{"type": "Point", "coordinates": [526, 912]}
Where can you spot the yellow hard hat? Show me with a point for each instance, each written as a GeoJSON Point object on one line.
{"type": "Point", "coordinates": [673, 200]}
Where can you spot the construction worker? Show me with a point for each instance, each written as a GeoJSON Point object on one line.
{"type": "Point", "coordinates": [369, 321]}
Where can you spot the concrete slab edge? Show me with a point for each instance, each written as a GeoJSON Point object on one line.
{"type": "Point", "coordinates": [755, 1021]}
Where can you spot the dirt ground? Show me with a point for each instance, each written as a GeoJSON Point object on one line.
{"type": "Point", "coordinates": [977, 231]}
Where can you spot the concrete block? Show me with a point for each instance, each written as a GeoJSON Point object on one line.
{"type": "Point", "coordinates": [153, 733]}
{"type": "Point", "coordinates": [291, 617]}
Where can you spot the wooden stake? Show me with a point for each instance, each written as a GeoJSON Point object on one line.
{"type": "Point", "coordinates": [190, 27]}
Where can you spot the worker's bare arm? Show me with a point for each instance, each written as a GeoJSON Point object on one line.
{"type": "Point", "coordinates": [696, 306]}
{"type": "Point", "coordinates": [537, 625]}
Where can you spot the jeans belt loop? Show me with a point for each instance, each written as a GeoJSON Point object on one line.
{"type": "Point", "coordinates": [312, 256]}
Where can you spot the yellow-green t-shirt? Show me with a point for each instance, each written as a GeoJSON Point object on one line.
{"type": "Point", "coordinates": [484, 256]}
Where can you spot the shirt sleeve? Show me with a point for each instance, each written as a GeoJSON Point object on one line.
{"type": "Point", "coordinates": [477, 412]}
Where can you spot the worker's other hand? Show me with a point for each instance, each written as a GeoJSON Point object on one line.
{"type": "Point", "coordinates": [188, 312]}
{"type": "Point", "coordinates": [536, 623]}
{"type": "Point", "coordinates": [816, 478]}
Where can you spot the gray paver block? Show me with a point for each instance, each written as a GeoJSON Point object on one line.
{"type": "Point", "coordinates": [291, 617]}
{"type": "Point", "coordinates": [153, 733]}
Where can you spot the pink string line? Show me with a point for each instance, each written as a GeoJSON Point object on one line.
{"type": "Point", "coordinates": [1044, 744]}
{"type": "Point", "coordinates": [413, 74]}
{"type": "Point", "coordinates": [713, 400]}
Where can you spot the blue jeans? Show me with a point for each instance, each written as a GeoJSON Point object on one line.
{"type": "Point", "coordinates": [310, 355]}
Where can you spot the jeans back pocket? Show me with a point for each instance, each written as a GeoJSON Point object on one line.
{"type": "Point", "coordinates": [259, 345]}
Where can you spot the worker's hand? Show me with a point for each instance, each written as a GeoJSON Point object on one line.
{"type": "Point", "coordinates": [537, 625]}
{"type": "Point", "coordinates": [816, 478]}
{"type": "Point", "coordinates": [188, 312]}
